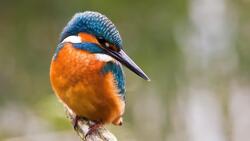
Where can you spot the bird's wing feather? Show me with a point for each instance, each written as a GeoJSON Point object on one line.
{"type": "Point", "coordinates": [117, 71]}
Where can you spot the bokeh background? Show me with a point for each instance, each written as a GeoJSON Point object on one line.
{"type": "Point", "coordinates": [196, 53]}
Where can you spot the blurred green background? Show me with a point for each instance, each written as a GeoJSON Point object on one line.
{"type": "Point", "coordinates": [196, 53]}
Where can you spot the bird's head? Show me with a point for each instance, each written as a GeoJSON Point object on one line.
{"type": "Point", "coordinates": [93, 27]}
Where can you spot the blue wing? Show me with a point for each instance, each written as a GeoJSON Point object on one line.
{"type": "Point", "coordinates": [117, 71]}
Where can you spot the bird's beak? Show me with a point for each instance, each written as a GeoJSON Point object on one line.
{"type": "Point", "coordinates": [123, 58]}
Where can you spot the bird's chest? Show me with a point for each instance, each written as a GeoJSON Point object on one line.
{"type": "Point", "coordinates": [77, 79]}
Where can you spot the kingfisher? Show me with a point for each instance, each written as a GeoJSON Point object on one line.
{"type": "Point", "coordinates": [86, 69]}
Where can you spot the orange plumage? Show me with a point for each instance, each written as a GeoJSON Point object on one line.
{"type": "Point", "coordinates": [75, 78]}
{"type": "Point", "coordinates": [86, 72]}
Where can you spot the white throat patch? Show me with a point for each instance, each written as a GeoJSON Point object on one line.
{"type": "Point", "coordinates": [104, 57]}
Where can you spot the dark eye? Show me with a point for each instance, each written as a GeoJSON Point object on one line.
{"type": "Point", "coordinates": [101, 41]}
{"type": "Point", "coordinates": [106, 44]}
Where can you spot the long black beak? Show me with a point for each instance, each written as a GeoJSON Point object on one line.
{"type": "Point", "coordinates": [123, 58]}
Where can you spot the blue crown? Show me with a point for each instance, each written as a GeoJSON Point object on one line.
{"type": "Point", "coordinates": [93, 23]}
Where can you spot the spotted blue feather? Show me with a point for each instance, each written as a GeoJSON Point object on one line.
{"type": "Point", "coordinates": [93, 23]}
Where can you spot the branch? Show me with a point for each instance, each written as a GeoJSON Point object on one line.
{"type": "Point", "coordinates": [102, 134]}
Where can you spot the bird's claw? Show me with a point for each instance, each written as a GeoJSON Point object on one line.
{"type": "Point", "coordinates": [93, 128]}
{"type": "Point", "coordinates": [75, 121]}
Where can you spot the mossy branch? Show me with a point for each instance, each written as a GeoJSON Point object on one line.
{"type": "Point", "coordinates": [82, 127]}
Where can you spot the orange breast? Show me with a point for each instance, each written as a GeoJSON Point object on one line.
{"type": "Point", "coordinates": [77, 80]}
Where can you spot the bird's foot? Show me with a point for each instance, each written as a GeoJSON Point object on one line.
{"type": "Point", "coordinates": [93, 128]}
{"type": "Point", "coordinates": [75, 121]}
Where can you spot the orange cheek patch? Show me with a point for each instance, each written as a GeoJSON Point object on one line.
{"type": "Point", "coordinates": [88, 38]}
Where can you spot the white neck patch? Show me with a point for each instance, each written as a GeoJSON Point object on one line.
{"type": "Point", "coordinates": [72, 39]}
{"type": "Point", "coordinates": [104, 57]}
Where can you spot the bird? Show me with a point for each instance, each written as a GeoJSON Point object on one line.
{"type": "Point", "coordinates": [86, 71]}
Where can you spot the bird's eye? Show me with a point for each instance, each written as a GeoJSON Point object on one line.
{"type": "Point", "coordinates": [106, 44]}
{"type": "Point", "coordinates": [101, 41]}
